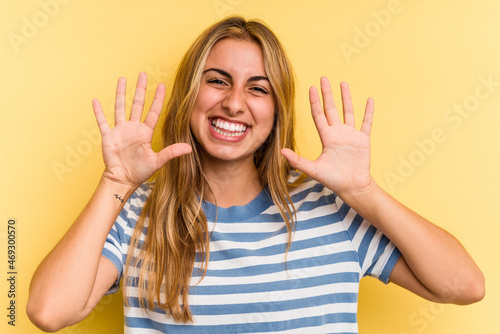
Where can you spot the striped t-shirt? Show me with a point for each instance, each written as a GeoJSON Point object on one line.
{"type": "Point", "coordinates": [248, 287]}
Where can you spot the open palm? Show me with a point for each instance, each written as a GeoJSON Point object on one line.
{"type": "Point", "coordinates": [344, 163]}
{"type": "Point", "coordinates": [127, 153]}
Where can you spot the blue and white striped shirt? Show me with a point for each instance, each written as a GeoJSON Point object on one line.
{"type": "Point", "coordinates": [249, 288]}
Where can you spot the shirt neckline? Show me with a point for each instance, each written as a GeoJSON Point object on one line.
{"type": "Point", "coordinates": [238, 212]}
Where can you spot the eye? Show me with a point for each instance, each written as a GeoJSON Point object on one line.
{"type": "Point", "coordinates": [216, 82]}
{"type": "Point", "coordinates": [260, 90]}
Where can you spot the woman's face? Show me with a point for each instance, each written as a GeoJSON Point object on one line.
{"type": "Point", "coordinates": [234, 111]}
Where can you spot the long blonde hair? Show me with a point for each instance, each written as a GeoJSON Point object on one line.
{"type": "Point", "coordinates": [177, 229]}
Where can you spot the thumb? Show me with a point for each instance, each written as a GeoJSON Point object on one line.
{"type": "Point", "coordinates": [300, 163]}
{"type": "Point", "coordinates": [173, 151]}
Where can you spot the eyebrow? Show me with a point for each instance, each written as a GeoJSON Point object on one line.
{"type": "Point", "coordinates": [224, 73]}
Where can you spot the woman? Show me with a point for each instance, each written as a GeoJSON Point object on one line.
{"type": "Point", "coordinates": [238, 233]}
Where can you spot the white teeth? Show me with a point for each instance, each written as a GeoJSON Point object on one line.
{"type": "Point", "coordinates": [220, 125]}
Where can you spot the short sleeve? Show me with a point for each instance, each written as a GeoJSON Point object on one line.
{"type": "Point", "coordinates": [377, 255]}
{"type": "Point", "coordinates": [118, 240]}
{"type": "Point", "coordinates": [113, 250]}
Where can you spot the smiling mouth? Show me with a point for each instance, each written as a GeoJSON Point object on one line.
{"type": "Point", "coordinates": [228, 129]}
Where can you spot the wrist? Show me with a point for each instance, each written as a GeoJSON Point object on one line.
{"type": "Point", "coordinates": [122, 191]}
{"type": "Point", "coordinates": [360, 195]}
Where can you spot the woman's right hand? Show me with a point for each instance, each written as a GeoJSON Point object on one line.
{"type": "Point", "coordinates": [128, 157]}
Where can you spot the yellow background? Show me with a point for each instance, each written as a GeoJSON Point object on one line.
{"type": "Point", "coordinates": [421, 60]}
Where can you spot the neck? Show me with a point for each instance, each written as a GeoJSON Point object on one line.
{"type": "Point", "coordinates": [232, 183]}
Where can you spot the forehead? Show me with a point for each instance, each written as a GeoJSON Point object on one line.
{"type": "Point", "coordinates": [236, 55]}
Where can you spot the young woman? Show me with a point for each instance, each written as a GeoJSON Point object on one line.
{"type": "Point", "coordinates": [239, 234]}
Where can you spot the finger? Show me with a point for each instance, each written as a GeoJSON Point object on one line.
{"type": "Point", "coordinates": [317, 112]}
{"type": "Point", "coordinates": [140, 94]}
{"type": "Point", "coordinates": [102, 123]}
{"type": "Point", "coordinates": [347, 104]}
{"type": "Point", "coordinates": [366, 127]}
{"type": "Point", "coordinates": [121, 88]}
{"type": "Point", "coordinates": [331, 113]}
{"type": "Point", "coordinates": [173, 151]}
{"type": "Point", "coordinates": [156, 107]}
{"type": "Point", "coordinates": [296, 161]}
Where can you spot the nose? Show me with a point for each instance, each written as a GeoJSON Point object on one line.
{"type": "Point", "coordinates": [235, 101]}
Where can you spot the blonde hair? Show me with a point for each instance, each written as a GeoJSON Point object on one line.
{"type": "Point", "coordinates": [177, 229]}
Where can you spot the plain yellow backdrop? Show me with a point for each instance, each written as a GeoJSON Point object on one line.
{"type": "Point", "coordinates": [432, 67]}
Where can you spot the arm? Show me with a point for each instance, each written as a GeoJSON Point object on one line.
{"type": "Point", "coordinates": [72, 279]}
{"type": "Point", "coordinates": [74, 276]}
{"type": "Point", "coordinates": [434, 264]}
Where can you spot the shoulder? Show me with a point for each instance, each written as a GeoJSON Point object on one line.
{"type": "Point", "coordinates": [308, 194]}
{"type": "Point", "coordinates": [133, 207]}
{"type": "Point", "coordinates": [302, 185]}
{"type": "Point", "coordinates": [139, 197]}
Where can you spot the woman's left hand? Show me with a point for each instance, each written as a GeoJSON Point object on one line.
{"type": "Point", "coordinates": [344, 163]}
{"type": "Point", "coordinates": [434, 264]}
